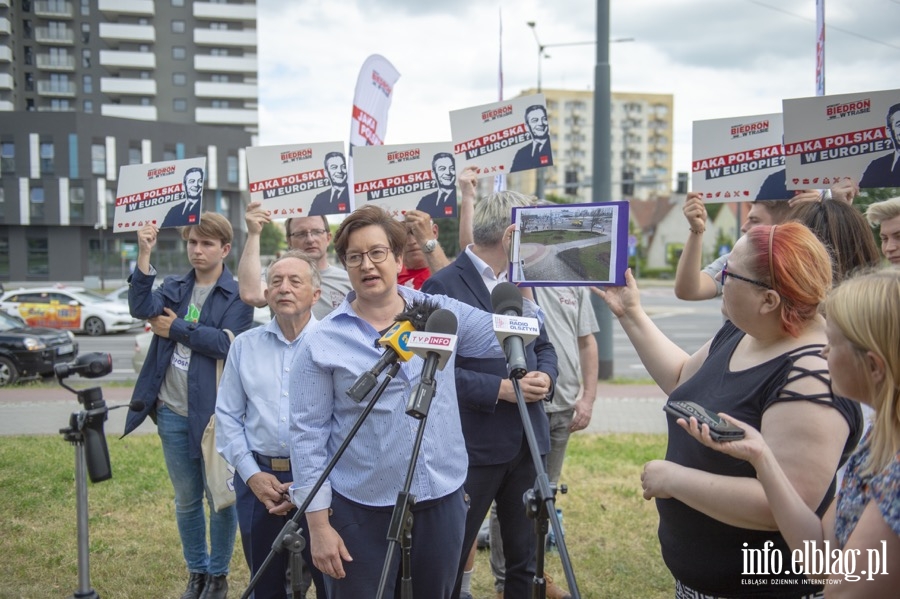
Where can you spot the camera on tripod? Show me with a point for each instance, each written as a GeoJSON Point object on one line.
{"type": "Point", "coordinates": [86, 426]}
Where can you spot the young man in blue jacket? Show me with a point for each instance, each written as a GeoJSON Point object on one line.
{"type": "Point", "coordinates": [189, 315]}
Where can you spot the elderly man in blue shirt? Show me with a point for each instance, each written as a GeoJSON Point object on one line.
{"type": "Point", "coordinates": [252, 414]}
{"type": "Point", "coordinates": [349, 517]}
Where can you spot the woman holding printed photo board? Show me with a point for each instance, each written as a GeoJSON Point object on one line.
{"type": "Point", "coordinates": [764, 365]}
{"type": "Point", "coordinates": [864, 523]}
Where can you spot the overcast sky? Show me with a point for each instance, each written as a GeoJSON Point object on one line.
{"type": "Point", "coordinates": [718, 58]}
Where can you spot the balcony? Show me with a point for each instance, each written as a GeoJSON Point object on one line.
{"type": "Point", "coordinates": [5, 54]}
{"type": "Point", "coordinates": [115, 86]}
{"type": "Point", "coordinates": [225, 12]}
{"type": "Point", "coordinates": [4, 26]}
{"type": "Point", "coordinates": [125, 111]}
{"type": "Point", "coordinates": [227, 116]}
{"type": "Point", "coordinates": [6, 81]}
{"type": "Point", "coordinates": [225, 37]}
{"type": "Point", "coordinates": [49, 62]}
{"type": "Point", "coordinates": [5, 106]}
{"type": "Point", "coordinates": [127, 33]}
{"type": "Point", "coordinates": [226, 64]}
{"type": "Point", "coordinates": [56, 88]}
{"type": "Point", "coordinates": [239, 91]}
{"type": "Point", "coordinates": [45, 35]}
{"type": "Point", "coordinates": [116, 59]}
{"type": "Point", "coordinates": [126, 7]}
{"type": "Point", "coordinates": [53, 10]}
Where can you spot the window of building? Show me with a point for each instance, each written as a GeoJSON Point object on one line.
{"type": "Point", "coordinates": [179, 78]}
{"type": "Point", "coordinates": [218, 26]}
{"type": "Point", "coordinates": [7, 157]}
{"type": "Point", "coordinates": [220, 104]}
{"type": "Point", "coordinates": [85, 8]}
{"type": "Point", "coordinates": [134, 155]}
{"type": "Point", "coordinates": [219, 78]}
{"type": "Point", "coordinates": [146, 102]}
{"type": "Point", "coordinates": [178, 52]}
{"type": "Point", "coordinates": [231, 168]}
{"type": "Point", "coordinates": [2, 202]}
{"type": "Point", "coordinates": [144, 48]}
{"type": "Point", "coordinates": [218, 51]}
{"type": "Point", "coordinates": [86, 58]}
{"type": "Point", "coordinates": [177, 26]}
{"type": "Point", "coordinates": [28, 55]}
{"type": "Point", "coordinates": [145, 75]}
{"type": "Point", "coordinates": [179, 105]}
{"type": "Point", "coordinates": [76, 203]}
{"type": "Point", "coordinates": [27, 28]}
{"type": "Point", "coordinates": [38, 259]}
{"type": "Point", "coordinates": [60, 105]}
{"type": "Point", "coordinates": [47, 157]}
{"type": "Point", "coordinates": [87, 84]}
{"type": "Point", "coordinates": [29, 82]}
{"type": "Point", "coordinates": [98, 159]}
{"type": "Point", "coordinates": [26, 5]}
{"type": "Point", "coordinates": [88, 106]}
{"type": "Point", "coordinates": [177, 2]}
{"type": "Point", "coordinates": [36, 197]}
{"type": "Point", "coordinates": [169, 154]}
{"type": "Point", "coordinates": [85, 32]}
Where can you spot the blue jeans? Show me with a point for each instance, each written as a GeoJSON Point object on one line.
{"type": "Point", "coordinates": [189, 482]}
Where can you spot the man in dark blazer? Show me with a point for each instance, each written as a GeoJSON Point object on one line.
{"type": "Point", "coordinates": [885, 171]}
{"type": "Point", "coordinates": [187, 213]}
{"type": "Point", "coordinates": [537, 153]}
{"type": "Point", "coordinates": [442, 201]}
{"type": "Point", "coordinates": [335, 199]}
{"type": "Point", "coordinates": [500, 463]}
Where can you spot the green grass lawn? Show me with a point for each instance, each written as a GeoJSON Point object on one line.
{"type": "Point", "coordinates": [135, 551]}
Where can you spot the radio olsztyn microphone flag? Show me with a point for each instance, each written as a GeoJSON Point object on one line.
{"type": "Point", "coordinates": [513, 330]}
{"type": "Point", "coordinates": [435, 344]}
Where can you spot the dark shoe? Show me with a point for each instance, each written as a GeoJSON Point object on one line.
{"type": "Point", "coordinates": [195, 586]}
{"type": "Point", "coordinates": [216, 587]}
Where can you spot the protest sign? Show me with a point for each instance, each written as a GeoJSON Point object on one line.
{"type": "Point", "coordinates": [165, 194]}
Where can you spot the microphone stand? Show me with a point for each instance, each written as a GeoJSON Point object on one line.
{"type": "Point", "coordinates": [290, 538]}
{"type": "Point", "coordinates": [85, 433]}
{"type": "Point", "coordinates": [400, 529]}
{"type": "Point", "coordinates": [540, 506]}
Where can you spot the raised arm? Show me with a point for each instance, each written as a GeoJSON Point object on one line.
{"type": "Point", "coordinates": [424, 230]}
{"type": "Point", "coordinates": [468, 183]}
{"type": "Point", "coordinates": [691, 283]}
{"type": "Point", "coordinates": [249, 268]}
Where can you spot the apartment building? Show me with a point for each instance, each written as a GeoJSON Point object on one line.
{"type": "Point", "coordinates": [87, 86]}
{"type": "Point", "coordinates": [641, 138]}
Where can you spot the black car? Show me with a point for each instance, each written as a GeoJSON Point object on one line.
{"type": "Point", "coordinates": [31, 351]}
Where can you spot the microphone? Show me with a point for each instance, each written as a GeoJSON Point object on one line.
{"type": "Point", "coordinates": [90, 366]}
{"type": "Point", "coordinates": [513, 331]}
{"type": "Point", "coordinates": [394, 341]}
{"type": "Point", "coordinates": [137, 405]}
{"type": "Point", "coordinates": [435, 345]}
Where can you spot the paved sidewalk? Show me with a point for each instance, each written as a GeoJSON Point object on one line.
{"type": "Point", "coordinates": [32, 411]}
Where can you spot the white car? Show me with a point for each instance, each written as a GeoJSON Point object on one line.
{"type": "Point", "coordinates": [70, 308]}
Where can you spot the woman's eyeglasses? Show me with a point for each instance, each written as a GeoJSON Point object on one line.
{"type": "Point", "coordinates": [376, 256]}
{"type": "Point", "coordinates": [726, 274]}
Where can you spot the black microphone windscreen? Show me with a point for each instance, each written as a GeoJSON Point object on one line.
{"type": "Point", "coordinates": [506, 298]}
{"type": "Point", "coordinates": [137, 405]}
{"type": "Point", "coordinates": [442, 321]}
{"type": "Point", "coordinates": [418, 313]}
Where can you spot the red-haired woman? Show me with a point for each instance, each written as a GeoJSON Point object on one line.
{"type": "Point", "coordinates": [764, 366]}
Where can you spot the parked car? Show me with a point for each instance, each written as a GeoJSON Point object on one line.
{"type": "Point", "coordinates": [71, 308]}
{"type": "Point", "coordinates": [141, 346]}
{"type": "Point", "coordinates": [121, 294]}
{"type": "Point", "coordinates": [31, 351]}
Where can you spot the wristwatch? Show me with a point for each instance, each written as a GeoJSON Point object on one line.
{"type": "Point", "coordinates": [429, 246]}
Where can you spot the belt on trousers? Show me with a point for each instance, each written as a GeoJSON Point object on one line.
{"type": "Point", "coordinates": [274, 464]}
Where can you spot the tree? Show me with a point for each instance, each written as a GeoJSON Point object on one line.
{"type": "Point", "coordinates": [271, 240]}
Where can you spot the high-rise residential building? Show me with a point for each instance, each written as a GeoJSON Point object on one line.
{"type": "Point", "coordinates": [87, 86]}
{"type": "Point", "coordinates": [641, 137]}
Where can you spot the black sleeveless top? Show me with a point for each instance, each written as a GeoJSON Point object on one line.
{"type": "Point", "coordinates": [702, 552]}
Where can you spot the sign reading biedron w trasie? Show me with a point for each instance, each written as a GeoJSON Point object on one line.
{"type": "Point", "coordinates": [503, 137]}
{"type": "Point", "coordinates": [165, 194]}
{"type": "Point", "coordinates": [300, 179]}
{"type": "Point", "coordinates": [739, 159]}
{"type": "Point", "coordinates": [854, 135]}
{"type": "Point", "coordinates": [407, 177]}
